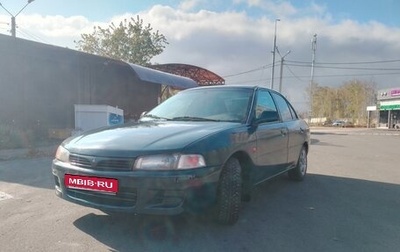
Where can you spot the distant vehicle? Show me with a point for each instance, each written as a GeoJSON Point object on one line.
{"type": "Point", "coordinates": [204, 148]}
{"type": "Point", "coordinates": [328, 122]}
{"type": "Point", "coordinates": [340, 123]}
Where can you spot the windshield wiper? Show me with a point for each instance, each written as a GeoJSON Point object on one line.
{"type": "Point", "coordinates": [156, 117]}
{"type": "Point", "coordinates": [193, 118]}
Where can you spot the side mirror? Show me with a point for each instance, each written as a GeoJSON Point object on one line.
{"type": "Point", "coordinates": [268, 116]}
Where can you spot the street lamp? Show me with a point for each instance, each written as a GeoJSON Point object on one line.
{"type": "Point", "coordinates": [273, 56]}
{"type": "Point", "coordinates": [313, 48]}
{"type": "Point", "coordinates": [281, 72]}
{"type": "Point", "coordinates": [13, 24]}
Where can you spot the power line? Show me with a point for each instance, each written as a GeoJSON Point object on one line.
{"type": "Point", "coordinates": [317, 65]}
{"type": "Point", "coordinates": [317, 76]}
{"type": "Point", "coordinates": [297, 63]}
{"type": "Point", "coordinates": [248, 71]}
{"type": "Point", "coordinates": [33, 36]}
{"type": "Point", "coordinates": [348, 63]}
{"type": "Point", "coordinates": [294, 75]}
{"type": "Point", "coordinates": [346, 75]}
{"type": "Point", "coordinates": [298, 77]}
{"type": "Point", "coordinates": [340, 75]}
{"type": "Point", "coordinates": [13, 17]}
{"type": "Point", "coordinates": [361, 68]}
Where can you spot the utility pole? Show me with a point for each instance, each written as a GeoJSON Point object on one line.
{"type": "Point", "coordinates": [281, 72]}
{"type": "Point", "coordinates": [13, 27]}
{"type": "Point", "coordinates": [273, 57]}
{"type": "Point", "coordinates": [13, 23]}
{"type": "Point", "coordinates": [313, 48]}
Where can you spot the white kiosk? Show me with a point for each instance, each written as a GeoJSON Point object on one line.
{"type": "Point", "coordinates": [89, 117]}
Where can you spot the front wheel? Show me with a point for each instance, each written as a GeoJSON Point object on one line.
{"type": "Point", "coordinates": [299, 172]}
{"type": "Point", "coordinates": [229, 193]}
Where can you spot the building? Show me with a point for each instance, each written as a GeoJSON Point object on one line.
{"type": "Point", "coordinates": [388, 105]}
{"type": "Point", "coordinates": [40, 84]}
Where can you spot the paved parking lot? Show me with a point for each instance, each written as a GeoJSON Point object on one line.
{"type": "Point", "coordinates": [348, 202]}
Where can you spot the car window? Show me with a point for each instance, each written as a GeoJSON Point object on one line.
{"type": "Point", "coordinates": [208, 104]}
{"type": "Point", "coordinates": [283, 107]}
{"type": "Point", "coordinates": [265, 106]}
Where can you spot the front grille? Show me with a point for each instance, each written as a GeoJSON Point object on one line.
{"type": "Point", "coordinates": [115, 164]}
{"type": "Point", "coordinates": [102, 164]}
{"type": "Point", "coordinates": [121, 199]}
{"type": "Point", "coordinates": [80, 161]}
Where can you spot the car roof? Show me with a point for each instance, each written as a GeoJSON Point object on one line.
{"type": "Point", "coordinates": [252, 87]}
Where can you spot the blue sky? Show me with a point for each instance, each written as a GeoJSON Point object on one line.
{"type": "Point", "coordinates": [384, 11]}
{"type": "Point", "coordinates": [234, 38]}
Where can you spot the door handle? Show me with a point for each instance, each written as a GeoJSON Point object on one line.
{"type": "Point", "coordinates": [283, 132]}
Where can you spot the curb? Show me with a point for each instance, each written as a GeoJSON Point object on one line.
{"type": "Point", "coordinates": [11, 154]}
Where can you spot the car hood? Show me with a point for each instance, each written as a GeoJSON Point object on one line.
{"type": "Point", "coordinates": [133, 139]}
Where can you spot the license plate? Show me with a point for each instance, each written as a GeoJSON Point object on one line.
{"type": "Point", "coordinates": [98, 184]}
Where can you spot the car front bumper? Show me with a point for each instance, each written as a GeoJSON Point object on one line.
{"type": "Point", "coordinates": [142, 192]}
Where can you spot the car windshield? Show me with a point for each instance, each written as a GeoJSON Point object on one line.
{"type": "Point", "coordinates": [204, 104]}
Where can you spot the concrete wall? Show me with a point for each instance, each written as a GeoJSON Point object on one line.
{"type": "Point", "coordinates": [39, 84]}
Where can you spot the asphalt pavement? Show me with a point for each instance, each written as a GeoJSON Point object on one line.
{"type": "Point", "coordinates": [349, 201]}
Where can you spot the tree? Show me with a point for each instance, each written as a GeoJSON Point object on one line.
{"type": "Point", "coordinates": [324, 101]}
{"type": "Point", "coordinates": [348, 101]}
{"type": "Point", "coordinates": [356, 96]}
{"type": "Point", "coordinates": [130, 41]}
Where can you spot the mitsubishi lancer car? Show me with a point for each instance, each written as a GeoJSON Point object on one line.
{"type": "Point", "coordinates": [202, 150]}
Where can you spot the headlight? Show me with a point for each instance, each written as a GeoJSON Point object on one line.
{"type": "Point", "coordinates": [191, 161]}
{"type": "Point", "coordinates": [62, 154]}
{"type": "Point", "coordinates": [169, 162]}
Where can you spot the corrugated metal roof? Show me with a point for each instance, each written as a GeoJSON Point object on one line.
{"type": "Point", "coordinates": [201, 76]}
{"type": "Point", "coordinates": [159, 77]}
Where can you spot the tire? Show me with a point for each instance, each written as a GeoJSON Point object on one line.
{"type": "Point", "coordinates": [299, 172]}
{"type": "Point", "coordinates": [229, 193]}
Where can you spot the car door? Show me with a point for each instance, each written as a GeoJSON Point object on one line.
{"type": "Point", "coordinates": [272, 138]}
{"type": "Point", "coordinates": [296, 135]}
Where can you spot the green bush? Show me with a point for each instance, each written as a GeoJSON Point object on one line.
{"type": "Point", "coordinates": [13, 137]}
{"type": "Point", "coordinates": [10, 138]}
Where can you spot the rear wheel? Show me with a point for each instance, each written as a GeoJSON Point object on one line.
{"type": "Point", "coordinates": [229, 193]}
{"type": "Point", "coordinates": [299, 172]}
